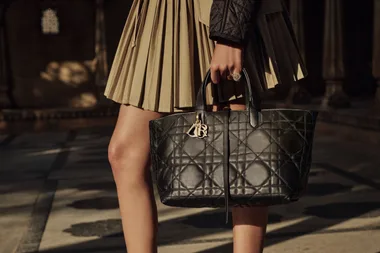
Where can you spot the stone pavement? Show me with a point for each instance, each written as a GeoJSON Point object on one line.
{"type": "Point", "coordinates": [57, 196]}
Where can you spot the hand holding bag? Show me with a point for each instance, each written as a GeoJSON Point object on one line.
{"type": "Point", "coordinates": [232, 158]}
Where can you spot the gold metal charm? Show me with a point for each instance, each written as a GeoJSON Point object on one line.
{"type": "Point", "coordinates": [198, 130]}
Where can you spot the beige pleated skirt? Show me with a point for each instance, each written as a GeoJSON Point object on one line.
{"type": "Point", "coordinates": [165, 51]}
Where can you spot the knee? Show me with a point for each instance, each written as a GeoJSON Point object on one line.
{"type": "Point", "coordinates": [121, 155]}
{"type": "Point", "coordinates": [115, 154]}
{"type": "Point", "coordinates": [118, 154]}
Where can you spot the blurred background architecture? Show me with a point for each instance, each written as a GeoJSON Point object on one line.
{"type": "Point", "coordinates": [56, 54]}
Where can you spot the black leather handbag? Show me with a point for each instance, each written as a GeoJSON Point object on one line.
{"type": "Point", "coordinates": [232, 158]}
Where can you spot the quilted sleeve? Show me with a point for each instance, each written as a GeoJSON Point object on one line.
{"type": "Point", "coordinates": [230, 20]}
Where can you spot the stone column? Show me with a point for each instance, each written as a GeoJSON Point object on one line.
{"type": "Point", "coordinates": [376, 47]}
{"type": "Point", "coordinates": [101, 73]}
{"type": "Point", "coordinates": [5, 101]}
{"type": "Point", "coordinates": [333, 64]}
{"type": "Point", "coordinates": [298, 95]}
{"type": "Point", "coordinates": [296, 12]}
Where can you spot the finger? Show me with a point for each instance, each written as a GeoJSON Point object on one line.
{"type": "Point", "coordinates": [236, 74]}
{"type": "Point", "coordinates": [231, 68]}
{"type": "Point", "coordinates": [223, 70]}
{"type": "Point", "coordinates": [237, 70]}
{"type": "Point", "coordinates": [238, 64]}
{"type": "Point", "coordinates": [215, 78]}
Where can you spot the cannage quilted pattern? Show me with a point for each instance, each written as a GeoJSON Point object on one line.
{"type": "Point", "coordinates": [231, 18]}
{"type": "Point", "coordinates": [267, 164]}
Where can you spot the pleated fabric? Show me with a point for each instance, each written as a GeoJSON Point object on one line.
{"type": "Point", "coordinates": [165, 51]}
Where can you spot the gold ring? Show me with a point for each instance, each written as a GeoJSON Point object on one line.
{"type": "Point", "coordinates": [236, 77]}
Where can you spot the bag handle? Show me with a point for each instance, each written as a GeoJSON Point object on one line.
{"type": "Point", "coordinates": [252, 105]}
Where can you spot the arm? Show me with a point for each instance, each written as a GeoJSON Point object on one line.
{"type": "Point", "coordinates": [230, 20]}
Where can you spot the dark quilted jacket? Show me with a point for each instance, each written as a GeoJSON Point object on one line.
{"type": "Point", "coordinates": [230, 20]}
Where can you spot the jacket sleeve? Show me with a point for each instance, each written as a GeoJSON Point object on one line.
{"type": "Point", "coordinates": [230, 20]}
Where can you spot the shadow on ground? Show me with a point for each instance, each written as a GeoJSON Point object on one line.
{"type": "Point", "coordinates": [315, 217]}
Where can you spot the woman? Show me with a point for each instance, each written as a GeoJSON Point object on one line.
{"type": "Point", "coordinates": [164, 52]}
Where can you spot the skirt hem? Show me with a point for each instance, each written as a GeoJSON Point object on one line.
{"type": "Point", "coordinates": [165, 51]}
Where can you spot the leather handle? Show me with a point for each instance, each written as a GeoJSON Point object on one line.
{"type": "Point", "coordinates": [253, 107]}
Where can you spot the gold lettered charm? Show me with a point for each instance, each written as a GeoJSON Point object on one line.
{"type": "Point", "coordinates": [198, 130]}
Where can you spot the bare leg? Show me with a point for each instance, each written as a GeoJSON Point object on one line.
{"type": "Point", "coordinates": [249, 224]}
{"type": "Point", "coordinates": [129, 158]}
{"type": "Point", "coordinates": [249, 229]}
